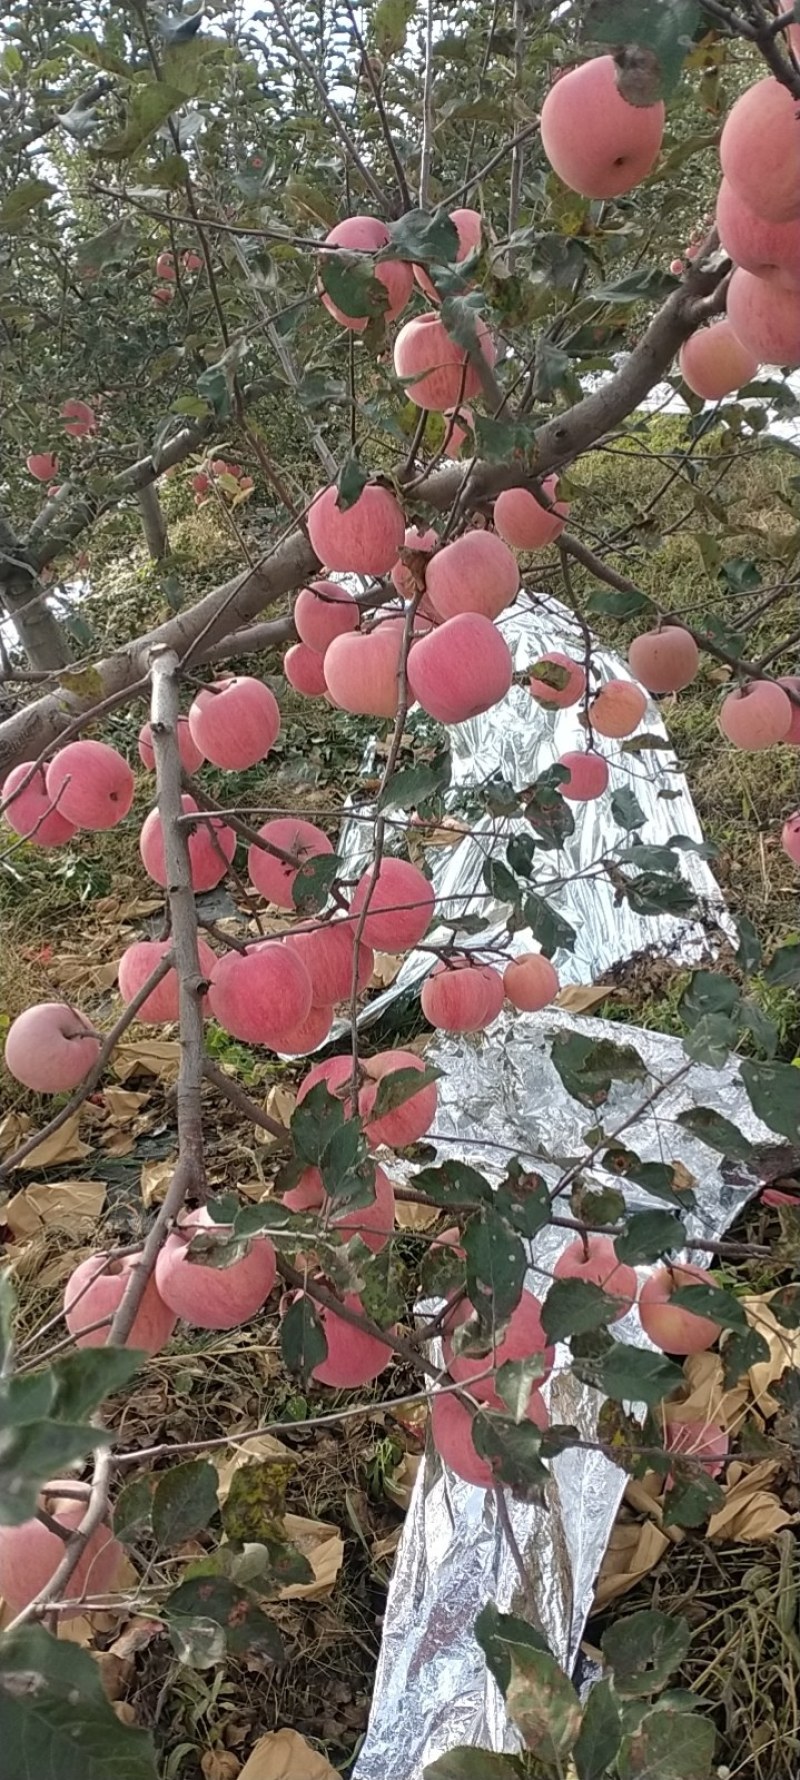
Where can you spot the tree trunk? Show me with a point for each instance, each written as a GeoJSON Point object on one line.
{"type": "Point", "coordinates": [37, 627]}
{"type": "Point", "coordinates": [154, 524]}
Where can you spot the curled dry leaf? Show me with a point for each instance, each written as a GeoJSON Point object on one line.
{"type": "Point", "coordinates": [154, 1180]}
{"type": "Point", "coordinates": [160, 1057]}
{"type": "Point", "coordinates": [751, 1513]}
{"type": "Point", "coordinates": [63, 1145]}
{"type": "Point", "coordinates": [323, 1547]}
{"type": "Point", "coordinates": [71, 1205]}
{"type": "Point", "coordinates": [285, 1755]}
{"type": "Point", "coordinates": [784, 1352]}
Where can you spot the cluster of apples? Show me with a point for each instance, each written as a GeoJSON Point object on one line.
{"type": "Point", "coordinates": [80, 421]}
{"type": "Point", "coordinates": [592, 1259]}
{"type": "Point", "coordinates": [166, 273]}
{"type": "Point", "coordinates": [230, 478]}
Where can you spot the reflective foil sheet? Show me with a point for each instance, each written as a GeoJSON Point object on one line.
{"type": "Point", "coordinates": [501, 1096]}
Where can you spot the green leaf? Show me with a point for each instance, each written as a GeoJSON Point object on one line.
{"type": "Point", "coordinates": [314, 1122]}
{"type": "Point", "coordinates": [524, 1201]}
{"type": "Point", "coordinates": [501, 882]}
{"type": "Point", "coordinates": [612, 602]}
{"type": "Point", "coordinates": [512, 1450]}
{"type": "Point", "coordinates": [665, 27]}
{"type": "Point", "coordinates": [349, 280]}
{"type": "Point", "coordinates": [256, 1501]}
{"type": "Point", "coordinates": [600, 1733]}
{"type": "Point", "coordinates": [668, 1746]}
{"type": "Point", "coordinates": [783, 970]}
{"type": "Point", "coordinates": [453, 1183]}
{"type": "Point", "coordinates": [472, 1764]}
{"type": "Point", "coordinates": [184, 1501]}
{"type": "Point", "coordinates": [648, 1235]}
{"type": "Point", "coordinates": [56, 1719]}
{"type": "Point", "coordinates": [573, 1306]}
{"type": "Point", "coordinates": [303, 1341]}
{"type": "Point", "coordinates": [588, 1066]}
{"type": "Point", "coordinates": [515, 1380]}
{"type": "Point", "coordinates": [691, 1497]}
{"type": "Point", "coordinates": [720, 1135]}
{"type": "Point", "coordinates": [414, 787]}
{"type": "Point", "coordinates": [785, 1306]}
{"type": "Point", "coordinates": [400, 1085]}
{"type": "Point", "coordinates": [741, 1350]}
{"type": "Point", "coordinates": [648, 285]}
{"type": "Point", "coordinates": [748, 952]}
{"type": "Point", "coordinates": [311, 885]}
{"type": "Point", "coordinates": [505, 441]}
{"type": "Point", "coordinates": [18, 205]}
{"type": "Point", "coordinates": [384, 1293]}
{"type": "Point", "coordinates": [148, 108]}
{"type": "Point", "coordinates": [650, 894]}
{"type": "Point", "coordinates": [543, 1704]}
{"type": "Point", "coordinates": [547, 811]}
{"type": "Point", "coordinates": [112, 247]}
{"type": "Point", "coordinates": [133, 1510]}
{"type": "Point", "coordinates": [627, 810]}
{"type": "Point", "coordinates": [708, 992]}
{"type": "Point", "coordinates": [632, 1375]}
{"type": "Point", "coordinates": [8, 1305]}
{"type": "Point", "coordinates": [499, 1634]}
{"type": "Point", "coordinates": [215, 388]}
{"type": "Point", "coordinates": [711, 1040]}
{"type": "Point", "coordinates": [84, 1379]}
{"type": "Point", "coordinates": [773, 1090]}
{"type": "Point", "coordinates": [390, 22]}
{"type": "Point", "coordinates": [32, 1453]}
{"type": "Point", "coordinates": [99, 54]}
{"type": "Point", "coordinates": [656, 1178]}
{"type": "Point", "coordinates": [520, 853]}
{"type": "Point", "coordinates": [643, 1649]}
{"type": "Point", "coordinates": [722, 1307]}
{"type": "Point", "coordinates": [422, 237]}
{"type": "Point", "coordinates": [553, 933]}
{"type": "Point", "coordinates": [553, 369]}
{"type": "Point", "coordinates": [308, 203]}
{"type": "Point", "coordinates": [496, 1267]}
{"type": "Point", "coordinates": [208, 1611]}
{"type": "Point", "coordinates": [350, 482]}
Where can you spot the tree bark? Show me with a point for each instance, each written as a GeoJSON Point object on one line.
{"type": "Point", "coordinates": [154, 524]}
{"type": "Point", "coordinates": [37, 627]}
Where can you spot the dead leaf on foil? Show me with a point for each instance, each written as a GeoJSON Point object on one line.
{"type": "Point", "coordinates": [154, 1180]}
{"type": "Point", "coordinates": [147, 1056]}
{"type": "Point", "coordinates": [323, 1547]}
{"type": "Point", "coordinates": [750, 1513]}
{"type": "Point", "coordinates": [578, 998]}
{"type": "Point", "coordinates": [285, 1755]}
{"type": "Point", "coordinates": [63, 1146]}
{"type": "Point", "coordinates": [71, 1205]}
{"type": "Point", "coordinates": [384, 970]}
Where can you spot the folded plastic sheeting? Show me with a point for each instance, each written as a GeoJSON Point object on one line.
{"type": "Point", "coordinates": [516, 741]}
{"type": "Point", "coordinates": [501, 1096]}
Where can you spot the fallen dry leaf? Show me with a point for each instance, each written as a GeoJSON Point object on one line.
{"type": "Point", "coordinates": [123, 1103]}
{"type": "Point", "coordinates": [400, 1485]}
{"type": "Point", "coordinates": [707, 1400]}
{"type": "Point", "coordinates": [633, 1549]}
{"type": "Point", "coordinates": [14, 1129]}
{"type": "Point", "coordinates": [265, 1446]}
{"type": "Point", "coordinates": [414, 1217]}
{"type": "Point", "coordinates": [63, 1146]}
{"type": "Point", "coordinates": [750, 1512]}
{"type": "Point", "coordinates": [784, 1351]}
{"type": "Point", "coordinates": [280, 1104]}
{"type": "Point", "coordinates": [385, 1548]}
{"type": "Point", "coordinates": [384, 969]}
{"type": "Point", "coordinates": [71, 1205]}
{"type": "Point", "coordinates": [578, 998]}
{"type": "Point", "coordinates": [136, 1636]}
{"type": "Point", "coordinates": [154, 1180]}
{"type": "Point", "coordinates": [323, 1547]}
{"type": "Point", "coordinates": [220, 1764]}
{"type": "Point", "coordinates": [285, 1755]}
{"type": "Point", "coordinates": [147, 1056]}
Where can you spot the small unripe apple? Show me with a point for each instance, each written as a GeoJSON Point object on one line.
{"type": "Point", "coordinates": [96, 1288]}
{"type": "Point", "coordinates": [91, 783]}
{"type": "Point", "coordinates": [50, 1047]}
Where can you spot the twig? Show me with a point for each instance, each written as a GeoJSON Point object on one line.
{"type": "Point", "coordinates": [428, 120]}
{"type": "Point", "coordinates": [339, 126]}
{"type": "Point", "coordinates": [242, 1101]}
